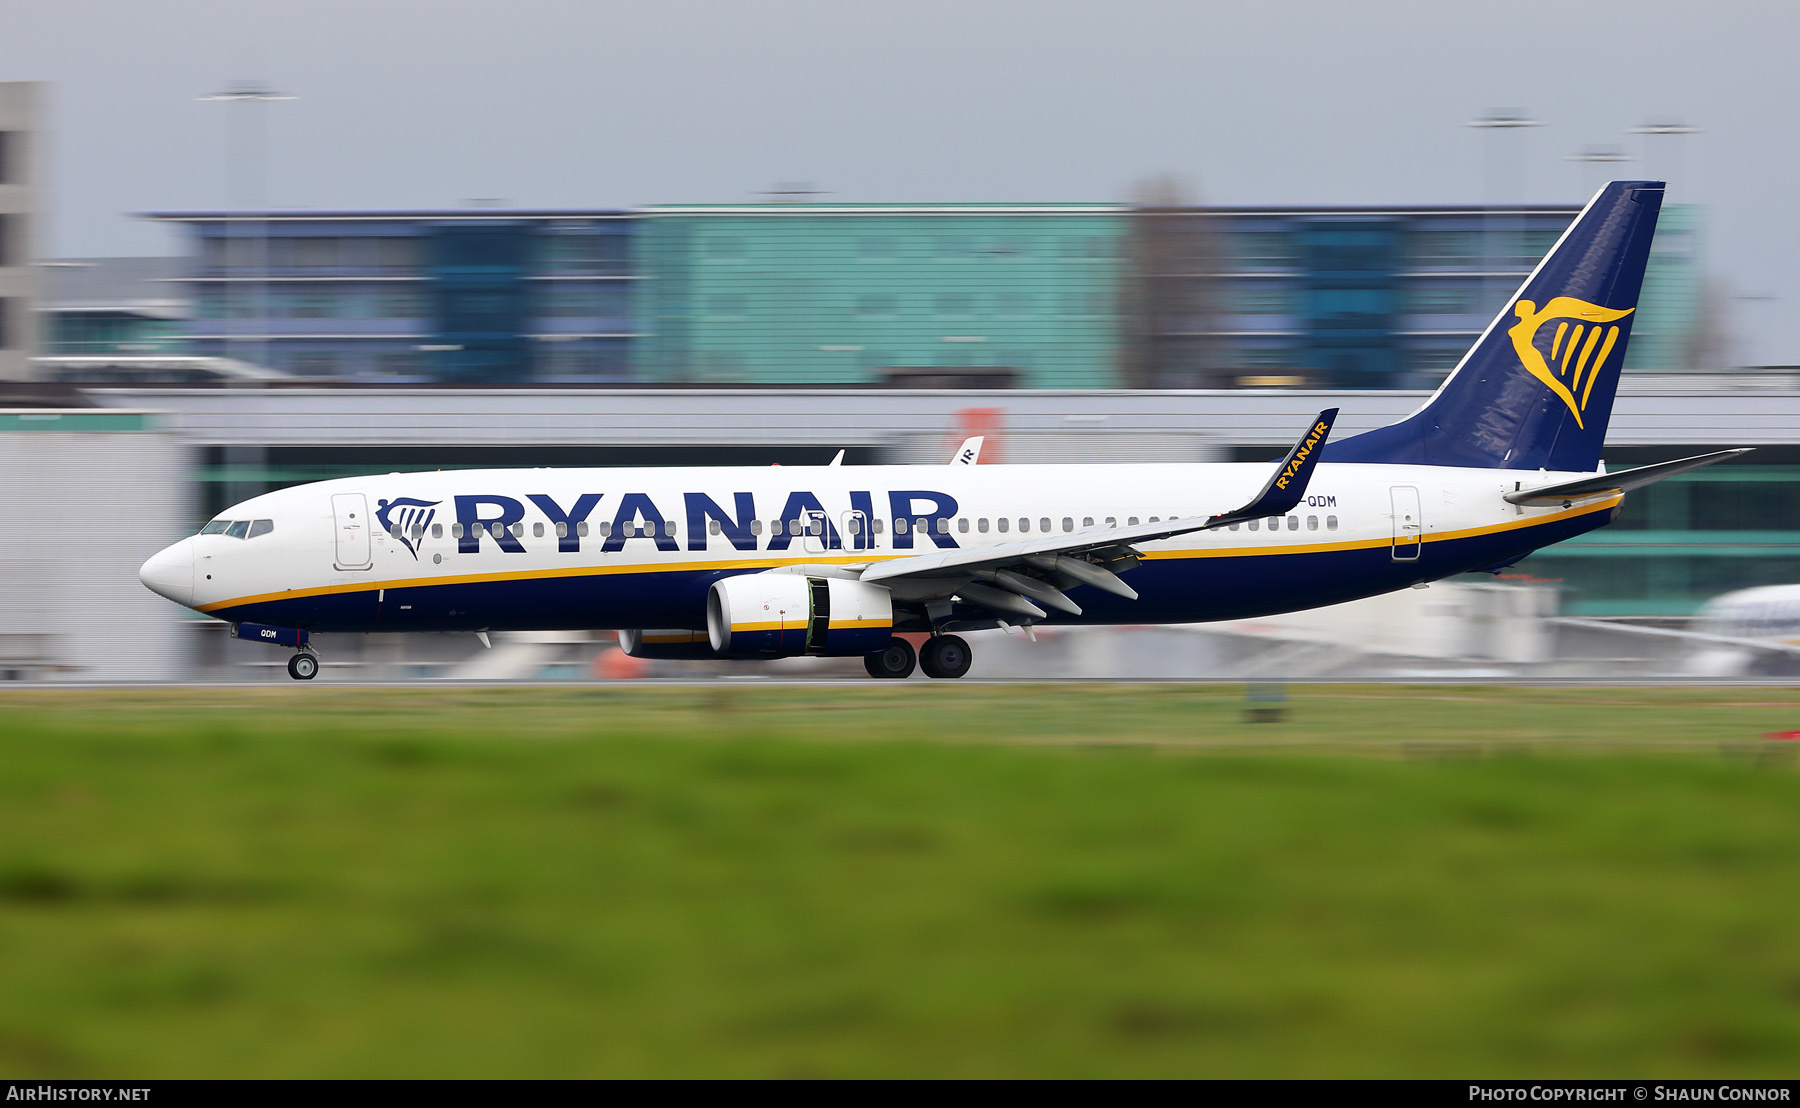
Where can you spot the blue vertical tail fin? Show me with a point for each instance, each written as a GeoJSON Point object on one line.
{"type": "Point", "coordinates": [1536, 390]}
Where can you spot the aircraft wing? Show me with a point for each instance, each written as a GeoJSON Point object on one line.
{"type": "Point", "coordinates": [1009, 577]}
{"type": "Point", "coordinates": [1611, 484]}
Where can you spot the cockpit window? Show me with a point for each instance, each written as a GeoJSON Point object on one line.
{"type": "Point", "coordinates": [239, 528]}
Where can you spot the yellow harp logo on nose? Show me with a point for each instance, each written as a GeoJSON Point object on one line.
{"type": "Point", "coordinates": [1573, 374]}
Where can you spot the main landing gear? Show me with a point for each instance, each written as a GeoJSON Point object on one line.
{"type": "Point", "coordinates": [303, 666]}
{"type": "Point", "coordinates": [895, 662]}
{"type": "Point", "coordinates": [945, 656]}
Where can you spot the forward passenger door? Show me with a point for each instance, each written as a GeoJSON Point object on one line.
{"type": "Point", "coordinates": [350, 514]}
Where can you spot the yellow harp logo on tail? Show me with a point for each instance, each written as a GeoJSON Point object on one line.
{"type": "Point", "coordinates": [1574, 372]}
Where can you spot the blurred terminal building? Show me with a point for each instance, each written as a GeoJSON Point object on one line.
{"type": "Point", "coordinates": [296, 345]}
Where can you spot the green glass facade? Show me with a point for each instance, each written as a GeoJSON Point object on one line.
{"type": "Point", "coordinates": [110, 332]}
{"type": "Point", "coordinates": [1376, 297]}
{"type": "Point", "coordinates": [818, 294]}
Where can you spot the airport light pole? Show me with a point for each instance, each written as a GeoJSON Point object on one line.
{"type": "Point", "coordinates": [1745, 353]}
{"type": "Point", "coordinates": [1596, 155]}
{"type": "Point", "coordinates": [1674, 145]}
{"type": "Point", "coordinates": [1496, 121]}
{"type": "Point", "coordinates": [245, 121]}
{"type": "Point", "coordinates": [246, 138]}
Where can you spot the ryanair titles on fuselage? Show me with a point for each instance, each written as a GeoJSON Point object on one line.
{"type": "Point", "coordinates": [635, 515]}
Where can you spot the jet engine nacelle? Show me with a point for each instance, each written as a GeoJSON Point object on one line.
{"type": "Point", "coordinates": [678, 643]}
{"type": "Point", "coordinates": [785, 614]}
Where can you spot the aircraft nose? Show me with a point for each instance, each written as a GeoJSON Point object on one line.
{"type": "Point", "coordinates": [170, 572]}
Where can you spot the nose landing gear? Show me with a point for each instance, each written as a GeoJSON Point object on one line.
{"type": "Point", "coordinates": [303, 666]}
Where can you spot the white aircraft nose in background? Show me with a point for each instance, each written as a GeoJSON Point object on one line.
{"type": "Point", "coordinates": [170, 572]}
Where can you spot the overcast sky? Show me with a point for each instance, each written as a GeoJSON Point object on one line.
{"type": "Point", "coordinates": [588, 103]}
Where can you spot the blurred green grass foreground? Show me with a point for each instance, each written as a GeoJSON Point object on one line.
{"type": "Point", "coordinates": [898, 880]}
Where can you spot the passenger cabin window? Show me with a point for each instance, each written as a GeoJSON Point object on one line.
{"type": "Point", "coordinates": [238, 529]}
{"type": "Point", "coordinates": [456, 531]}
{"type": "Point", "coordinates": [981, 525]}
{"type": "Point", "coordinates": [1253, 524]}
{"type": "Point", "coordinates": [1312, 523]}
{"type": "Point", "coordinates": [1274, 523]}
{"type": "Point", "coordinates": [962, 526]}
{"type": "Point", "coordinates": [1233, 526]}
{"type": "Point", "coordinates": [1330, 523]}
{"type": "Point", "coordinates": [712, 527]}
{"type": "Point", "coordinates": [878, 525]}
{"type": "Point", "coordinates": [943, 527]}
{"type": "Point", "coordinates": [1044, 525]}
{"type": "Point", "coordinates": [1087, 521]}
{"type": "Point", "coordinates": [899, 527]}
{"type": "Point", "coordinates": [437, 530]}
{"type": "Point", "coordinates": [1024, 525]}
{"type": "Point", "coordinates": [756, 527]}
{"type": "Point", "coordinates": [537, 530]}
{"type": "Point", "coordinates": [216, 527]}
{"type": "Point", "coordinates": [261, 527]}
{"type": "Point", "coordinates": [1293, 523]}
{"type": "Point", "coordinates": [562, 530]}
{"type": "Point", "coordinates": [1003, 524]}
{"type": "Point", "coordinates": [1132, 522]}
{"type": "Point", "coordinates": [1068, 524]}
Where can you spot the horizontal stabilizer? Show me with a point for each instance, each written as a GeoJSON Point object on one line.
{"type": "Point", "coordinates": [1612, 484]}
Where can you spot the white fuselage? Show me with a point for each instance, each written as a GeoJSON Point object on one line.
{"type": "Point", "coordinates": [640, 547]}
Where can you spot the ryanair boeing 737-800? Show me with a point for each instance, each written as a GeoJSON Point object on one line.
{"type": "Point", "coordinates": [1504, 459]}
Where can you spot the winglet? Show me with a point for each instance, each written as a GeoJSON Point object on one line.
{"type": "Point", "coordinates": [969, 452]}
{"type": "Point", "coordinates": [1286, 488]}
